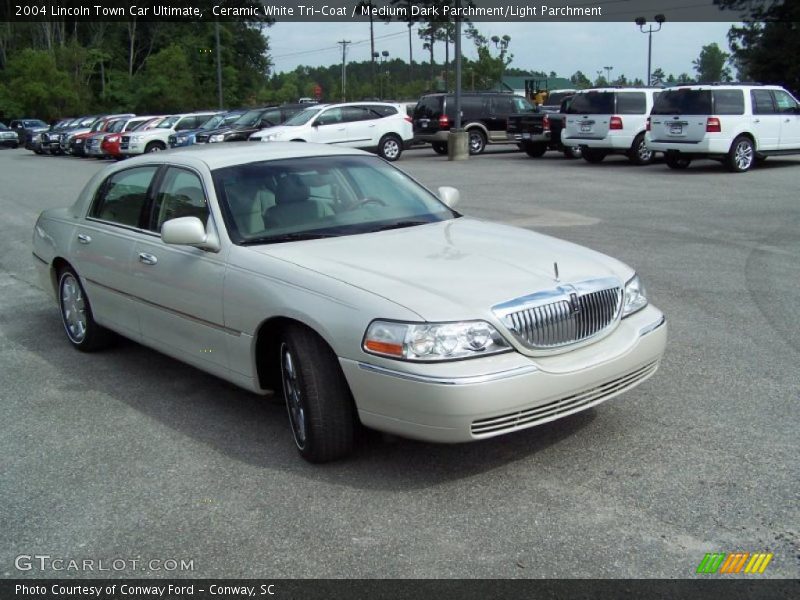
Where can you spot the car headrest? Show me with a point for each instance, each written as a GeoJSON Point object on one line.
{"type": "Point", "coordinates": [291, 189]}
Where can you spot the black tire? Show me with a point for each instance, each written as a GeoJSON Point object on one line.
{"type": "Point", "coordinates": [741, 156]}
{"type": "Point", "coordinates": [760, 160]}
{"type": "Point", "coordinates": [154, 147]}
{"type": "Point", "coordinates": [573, 152]}
{"type": "Point", "coordinates": [639, 154]}
{"type": "Point", "coordinates": [321, 411]}
{"type": "Point", "coordinates": [675, 161]}
{"type": "Point", "coordinates": [439, 147]}
{"type": "Point", "coordinates": [390, 147]}
{"type": "Point", "coordinates": [83, 333]}
{"type": "Point", "coordinates": [592, 155]}
{"type": "Point", "coordinates": [476, 141]}
{"type": "Point", "coordinates": [535, 150]}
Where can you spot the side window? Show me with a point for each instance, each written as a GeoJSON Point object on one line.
{"type": "Point", "coordinates": [786, 104]}
{"type": "Point", "coordinates": [728, 102]}
{"type": "Point", "coordinates": [330, 117]}
{"type": "Point", "coordinates": [522, 105]}
{"type": "Point", "coordinates": [185, 123]}
{"type": "Point", "coordinates": [382, 111]}
{"type": "Point", "coordinates": [123, 196]}
{"type": "Point", "coordinates": [356, 113]}
{"type": "Point", "coordinates": [180, 195]}
{"type": "Point", "coordinates": [762, 102]}
{"type": "Point", "coordinates": [631, 103]}
{"type": "Point", "coordinates": [502, 105]}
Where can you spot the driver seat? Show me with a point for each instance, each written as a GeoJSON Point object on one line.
{"type": "Point", "coordinates": [294, 206]}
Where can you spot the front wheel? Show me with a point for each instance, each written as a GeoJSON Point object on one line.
{"type": "Point", "coordinates": [318, 401]}
{"type": "Point", "coordinates": [439, 147]}
{"type": "Point", "coordinates": [592, 155]}
{"type": "Point", "coordinates": [477, 141]}
{"type": "Point", "coordinates": [741, 155]}
{"type": "Point", "coordinates": [675, 161]}
{"type": "Point", "coordinates": [76, 313]}
{"type": "Point", "coordinates": [639, 154]}
{"type": "Point", "coordinates": [154, 147]}
{"type": "Point", "coordinates": [390, 147]}
{"type": "Point", "coordinates": [535, 150]}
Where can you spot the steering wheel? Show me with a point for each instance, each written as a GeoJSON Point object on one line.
{"type": "Point", "coordinates": [365, 201]}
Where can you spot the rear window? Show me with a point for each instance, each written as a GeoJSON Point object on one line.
{"type": "Point", "coordinates": [592, 103]}
{"type": "Point", "coordinates": [631, 103]}
{"type": "Point", "coordinates": [429, 107]}
{"type": "Point", "coordinates": [382, 110]}
{"type": "Point", "coordinates": [728, 102]}
{"type": "Point", "coordinates": [557, 97]}
{"type": "Point", "coordinates": [683, 102]}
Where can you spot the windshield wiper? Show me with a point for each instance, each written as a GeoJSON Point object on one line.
{"type": "Point", "coordinates": [401, 224]}
{"type": "Point", "coordinates": [288, 237]}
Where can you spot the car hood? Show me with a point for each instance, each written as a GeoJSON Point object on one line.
{"type": "Point", "coordinates": [450, 270]}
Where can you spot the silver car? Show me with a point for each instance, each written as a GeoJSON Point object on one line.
{"type": "Point", "coordinates": [331, 276]}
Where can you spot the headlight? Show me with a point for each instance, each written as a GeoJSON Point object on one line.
{"type": "Point", "coordinates": [78, 141]}
{"type": "Point", "coordinates": [112, 139]}
{"type": "Point", "coordinates": [220, 137]}
{"type": "Point", "coordinates": [181, 139]}
{"type": "Point", "coordinates": [424, 342]}
{"type": "Point", "coordinates": [635, 297]}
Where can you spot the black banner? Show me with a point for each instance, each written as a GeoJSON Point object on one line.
{"type": "Point", "coordinates": [358, 10]}
{"type": "Point", "coordinates": [387, 589]}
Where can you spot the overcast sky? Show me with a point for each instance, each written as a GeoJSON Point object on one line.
{"type": "Point", "coordinates": [560, 47]}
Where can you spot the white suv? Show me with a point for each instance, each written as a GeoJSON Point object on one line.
{"type": "Point", "coordinates": [380, 126]}
{"type": "Point", "coordinates": [157, 138]}
{"type": "Point", "coordinates": [607, 121]}
{"type": "Point", "coordinates": [736, 124]}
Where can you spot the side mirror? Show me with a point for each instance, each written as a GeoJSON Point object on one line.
{"type": "Point", "coordinates": [449, 195]}
{"type": "Point", "coordinates": [185, 231]}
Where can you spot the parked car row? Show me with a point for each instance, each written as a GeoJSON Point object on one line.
{"type": "Point", "coordinates": [737, 124]}
{"type": "Point", "coordinates": [382, 127]}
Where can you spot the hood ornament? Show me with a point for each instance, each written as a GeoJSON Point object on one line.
{"type": "Point", "coordinates": [555, 270]}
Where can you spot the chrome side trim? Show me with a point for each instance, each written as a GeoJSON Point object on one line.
{"type": "Point", "coordinates": [177, 313]}
{"type": "Point", "coordinates": [39, 258]}
{"type": "Point", "coordinates": [652, 326]}
{"type": "Point", "coordinates": [433, 379]}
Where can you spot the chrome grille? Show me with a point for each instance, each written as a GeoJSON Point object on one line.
{"type": "Point", "coordinates": [567, 315]}
{"type": "Point", "coordinates": [561, 407]}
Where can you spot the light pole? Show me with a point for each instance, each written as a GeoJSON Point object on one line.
{"type": "Point", "coordinates": [641, 22]}
{"type": "Point", "coordinates": [382, 56]}
{"type": "Point", "coordinates": [608, 74]}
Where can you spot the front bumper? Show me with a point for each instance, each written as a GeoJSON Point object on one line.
{"type": "Point", "coordinates": [475, 399]}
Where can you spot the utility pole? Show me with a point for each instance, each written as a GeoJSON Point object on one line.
{"type": "Point", "coordinates": [344, 44]}
{"type": "Point", "coordinates": [608, 74]}
{"type": "Point", "coordinates": [219, 64]}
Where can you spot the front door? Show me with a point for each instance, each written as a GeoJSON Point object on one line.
{"type": "Point", "coordinates": [789, 111]}
{"type": "Point", "coordinates": [766, 121]}
{"type": "Point", "coordinates": [329, 127]}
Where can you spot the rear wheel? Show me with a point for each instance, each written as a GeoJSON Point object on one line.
{"type": "Point", "coordinates": [592, 155]}
{"type": "Point", "coordinates": [321, 412]}
{"type": "Point", "coordinates": [477, 141]}
{"type": "Point", "coordinates": [675, 161]}
{"type": "Point", "coordinates": [76, 314]}
{"type": "Point", "coordinates": [535, 150]}
{"type": "Point", "coordinates": [741, 155]}
{"type": "Point", "coordinates": [573, 152]}
{"type": "Point", "coordinates": [390, 147]}
{"type": "Point", "coordinates": [639, 154]}
{"type": "Point", "coordinates": [439, 147]}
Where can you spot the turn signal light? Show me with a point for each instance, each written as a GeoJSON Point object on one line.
{"type": "Point", "coordinates": [546, 123]}
{"type": "Point", "coordinates": [647, 125]}
{"type": "Point", "coordinates": [713, 125]}
{"type": "Point", "coordinates": [384, 347]}
{"type": "Point", "coordinates": [615, 123]}
{"type": "Point", "coordinates": [444, 122]}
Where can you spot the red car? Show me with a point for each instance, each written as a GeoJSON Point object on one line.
{"type": "Point", "coordinates": [76, 141]}
{"type": "Point", "coordinates": [110, 143]}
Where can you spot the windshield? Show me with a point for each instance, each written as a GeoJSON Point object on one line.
{"type": "Point", "coordinates": [167, 122]}
{"type": "Point", "coordinates": [116, 126]}
{"type": "Point", "coordinates": [35, 124]}
{"type": "Point", "coordinates": [303, 117]}
{"type": "Point", "coordinates": [213, 122]}
{"type": "Point", "coordinates": [249, 119]}
{"type": "Point", "coordinates": [326, 196]}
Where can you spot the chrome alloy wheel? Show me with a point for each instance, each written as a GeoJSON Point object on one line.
{"type": "Point", "coordinates": [743, 155]}
{"type": "Point", "coordinates": [391, 149]}
{"type": "Point", "coordinates": [292, 393]}
{"type": "Point", "coordinates": [73, 308]}
{"type": "Point", "coordinates": [645, 155]}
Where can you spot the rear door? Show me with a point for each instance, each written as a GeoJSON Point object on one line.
{"type": "Point", "coordinates": [500, 108]}
{"type": "Point", "coordinates": [765, 122]}
{"type": "Point", "coordinates": [789, 110]}
{"type": "Point", "coordinates": [680, 116]}
{"type": "Point", "coordinates": [589, 114]}
{"type": "Point", "coordinates": [361, 126]}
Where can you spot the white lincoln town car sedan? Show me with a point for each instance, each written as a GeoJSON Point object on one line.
{"type": "Point", "coordinates": [331, 276]}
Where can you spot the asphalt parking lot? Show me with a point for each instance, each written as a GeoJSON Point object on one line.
{"type": "Point", "coordinates": [129, 454]}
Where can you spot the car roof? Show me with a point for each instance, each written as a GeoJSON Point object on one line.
{"type": "Point", "coordinates": [217, 156]}
{"type": "Point", "coordinates": [621, 89]}
{"type": "Point", "coordinates": [723, 86]}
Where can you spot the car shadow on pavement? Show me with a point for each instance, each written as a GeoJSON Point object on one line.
{"type": "Point", "coordinates": [253, 429]}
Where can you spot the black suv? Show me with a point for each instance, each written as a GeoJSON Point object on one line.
{"type": "Point", "coordinates": [483, 114]}
{"type": "Point", "coordinates": [253, 120]}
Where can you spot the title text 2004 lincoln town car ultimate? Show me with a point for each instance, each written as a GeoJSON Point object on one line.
{"type": "Point", "coordinates": [331, 275]}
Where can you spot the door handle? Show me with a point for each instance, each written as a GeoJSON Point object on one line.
{"type": "Point", "coordinates": [787, 121]}
{"type": "Point", "coordinates": [373, 124]}
{"type": "Point", "coordinates": [147, 259]}
{"type": "Point", "coordinates": [84, 239]}
{"type": "Point", "coordinates": [756, 120]}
